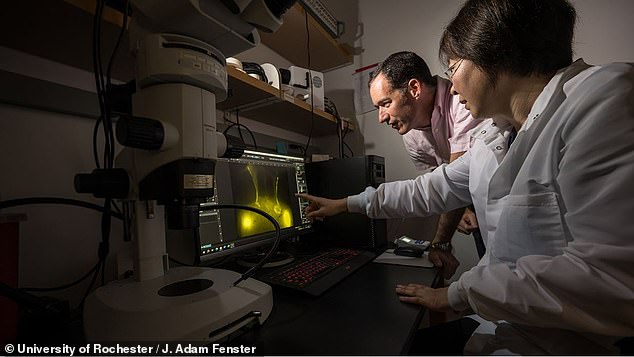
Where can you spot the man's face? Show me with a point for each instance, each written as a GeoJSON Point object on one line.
{"type": "Point", "coordinates": [396, 108]}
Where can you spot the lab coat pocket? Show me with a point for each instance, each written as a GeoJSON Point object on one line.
{"type": "Point", "coordinates": [528, 225]}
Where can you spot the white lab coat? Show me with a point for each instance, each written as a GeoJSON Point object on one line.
{"type": "Point", "coordinates": [556, 213]}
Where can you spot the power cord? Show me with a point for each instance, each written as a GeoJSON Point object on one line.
{"type": "Point", "coordinates": [238, 125]}
{"type": "Point", "coordinates": [310, 83]}
{"type": "Point", "coordinates": [276, 242]}
{"type": "Point", "coordinates": [62, 201]}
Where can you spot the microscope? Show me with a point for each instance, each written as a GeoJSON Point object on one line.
{"type": "Point", "coordinates": [171, 145]}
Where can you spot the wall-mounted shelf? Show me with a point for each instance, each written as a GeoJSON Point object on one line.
{"type": "Point", "coordinates": [290, 41]}
{"type": "Point", "coordinates": [61, 31]}
{"type": "Point", "coordinates": [259, 101]}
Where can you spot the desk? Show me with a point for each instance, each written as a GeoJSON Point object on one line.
{"type": "Point", "coordinates": [360, 316]}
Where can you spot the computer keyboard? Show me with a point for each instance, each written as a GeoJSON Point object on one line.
{"type": "Point", "coordinates": [319, 272]}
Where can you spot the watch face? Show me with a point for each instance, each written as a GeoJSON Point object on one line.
{"type": "Point", "coordinates": [407, 240]}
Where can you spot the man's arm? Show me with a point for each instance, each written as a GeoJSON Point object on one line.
{"type": "Point", "coordinates": [436, 192]}
{"type": "Point", "coordinates": [443, 257]}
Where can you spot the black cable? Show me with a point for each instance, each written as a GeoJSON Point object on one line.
{"type": "Point", "coordinates": [255, 144]}
{"type": "Point", "coordinates": [101, 265]}
{"type": "Point", "coordinates": [95, 134]}
{"type": "Point", "coordinates": [65, 286]}
{"type": "Point", "coordinates": [105, 120]}
{"type": "Point", "coordinates": [180, 263]}
{"type": "Point", "coordinates": [116, 207]}
{"type": "Point", "coordinates": [96, 72]}
{"type": "Point", "coordinates": [310, 83]}
{"type": "Point", "coordinates": [332, 108]}
{"type": "Point", "coordinates": [64, 201]}
{"type": "Point", "coordinates": [238, 123]}
{"type": "Point", "coordinates": [340, 142]}
{"type": "Point", "coordinates": [108, 88]}
{"type": "Point", "coordinates": [254, 68]}
{"type": "Point", "coordinates": [276, 243]}
{"type": "Point", "coordinates": [28, 301]}
{"type": "Point", "coordinates": [116, 47]}
{"type": "Point", "coordinates": [348, 147]}
{"type": "Point", "coordinates": [301, 148]}
{"type": "Point", "coordinates": [53, 200]}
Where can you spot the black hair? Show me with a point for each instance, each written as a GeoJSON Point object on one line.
{"type": "Point", "coordinates": [398, 68]}
{"type": "Point", "coordinates": [520, 37]}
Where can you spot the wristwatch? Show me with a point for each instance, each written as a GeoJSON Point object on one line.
{"type": "Point", "coordinates": [444, 246]}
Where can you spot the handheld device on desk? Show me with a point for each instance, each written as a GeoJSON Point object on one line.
{"type": "Point", "coordinates": [405, 241]}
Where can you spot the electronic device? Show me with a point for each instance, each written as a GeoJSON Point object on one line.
{"type": "Point", "coordinates": [409, 251]}
{"type": "Point", "coordinates": [325, 17]}
{"type": "Point", "coordinates": [316, 274]}
{"type": "Point", "coordinates": [405, 241]}
{"type": "Point", "coordinates": [169, 161]}
{"type": "Point", "coordinates": [301, 80]}
{"type": "Point", "coordinates": [340, 178]}
{"type": "Point", "coordinates": [257, 179]}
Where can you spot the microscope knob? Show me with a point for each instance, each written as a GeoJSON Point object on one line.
{"type": "Point", "coordinates": [140, 133]}
{"type": "Point", "coordinates": [102, 183]}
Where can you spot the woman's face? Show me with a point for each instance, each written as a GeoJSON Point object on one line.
{"type": "Point", "coordinates": [475, 89]}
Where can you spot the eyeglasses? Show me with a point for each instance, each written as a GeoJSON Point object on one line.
{"type": "Point", "coordinates": [452, 70]}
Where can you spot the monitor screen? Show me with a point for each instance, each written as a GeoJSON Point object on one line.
{"type": "Point", "coordinates": [261, 180]}
{"type": "Point", "coordinates": [269, 188]}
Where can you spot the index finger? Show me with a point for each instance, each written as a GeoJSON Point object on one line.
{"type": "Point", "coordinates": [306, 196]}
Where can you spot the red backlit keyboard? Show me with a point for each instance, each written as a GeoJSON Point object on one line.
{"type": "Point", "coordinates": [318, 273]}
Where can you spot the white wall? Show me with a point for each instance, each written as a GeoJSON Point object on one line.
{"type": "Point", "coordinates": [603, 34]}
{"type": "Point", "coordinates": [604, 31]}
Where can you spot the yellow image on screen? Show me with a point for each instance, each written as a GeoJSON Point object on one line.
{"type": "Point", "coordinates": [266, 196]}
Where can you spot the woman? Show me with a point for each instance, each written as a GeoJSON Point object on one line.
{"type": "Point", "coordinates": [554, 207]}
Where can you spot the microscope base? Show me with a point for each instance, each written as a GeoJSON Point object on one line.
{"type": "Point", "coordinates": [185, 304]}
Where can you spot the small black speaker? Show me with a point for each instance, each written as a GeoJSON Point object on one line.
{"type": "Point", "coordinates": [340, 178]}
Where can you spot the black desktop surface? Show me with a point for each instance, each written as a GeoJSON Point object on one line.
{"type": "Point", "coordinates": [360, 316]}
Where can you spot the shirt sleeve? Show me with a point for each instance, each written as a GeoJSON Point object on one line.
{"type": "Point", "coordinates": [420, 152]}
{"type": "Point", "coordinates": [590, 286]}
{"type": "Point", "coordinates": [439, 191]}
{"type": "Point", "coordinates": [463, 123]}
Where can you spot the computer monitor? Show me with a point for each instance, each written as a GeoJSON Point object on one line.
{"type": "Point", "coordinates": [261, 180]}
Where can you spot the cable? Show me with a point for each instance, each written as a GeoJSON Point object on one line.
{"type": "Point", "coordinates": [238, 123]}
{"type": "Point", "coordinates": [254, 68]}
{"type": "Point", "coordinates": [101, 265]}
{"type": "Point", "coordinates": [53, 200]}
{"type": "Point", "coordinates": [96, 72]}
{"type": "Point", "coordinates": [310, 83]}
{"type": "Point", "coordinates": [180, 263]}
{"type": "Point", "coordinates": [301, 148]}
{"type": "Point", "coordinates": [63, 201]}
{"type": "Point", "coordinates": [255, 145]}
{"type": "Point", "coordinates": [105, 121]}
{"type": "Point", "coordinates": [349, 149]}
{"type": "Point", "coordinates": [65, 286]}
{"type": "Point", "coordinates": [276, 243]}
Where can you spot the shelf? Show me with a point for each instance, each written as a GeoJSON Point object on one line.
{"type": "Point", "coordinates": [259, 101]}
{"type": "Point", "coordinates": [290, 42]}
{"type": "Point", "coordinates": [245, 91]}
{"type": "Point", "coordinates": [61, 31]}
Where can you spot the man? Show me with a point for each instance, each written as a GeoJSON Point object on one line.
{"type": "Point", "coordinates": [435, 129]}
{"type": "Point", "coordinates": [556, 200]}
